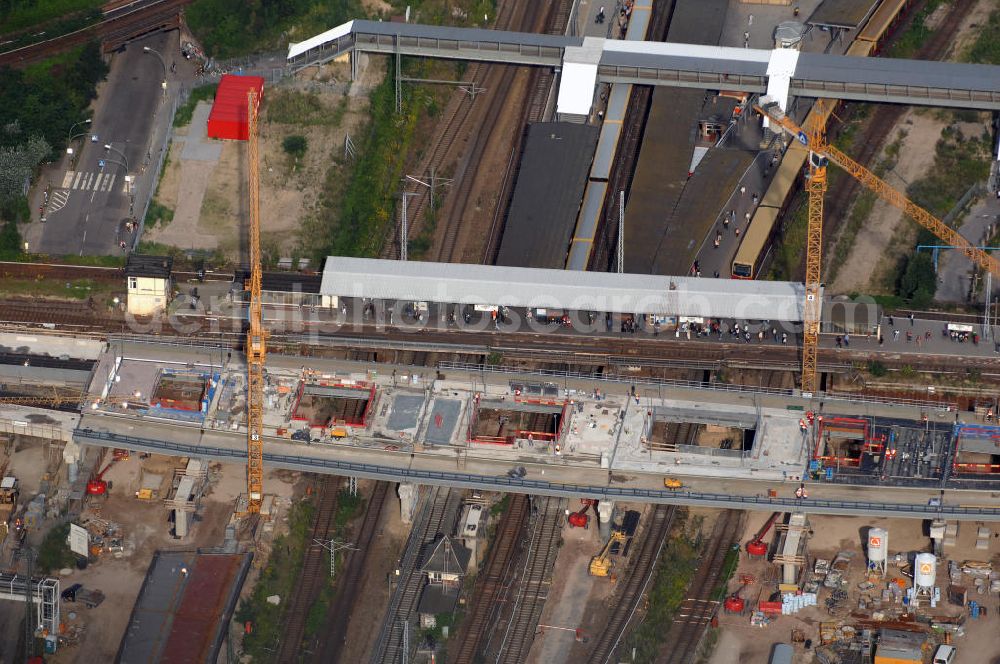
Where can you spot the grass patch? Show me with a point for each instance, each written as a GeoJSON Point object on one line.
{"type": "Point", "coordinates": [729, 565]}
{"type": "Point", "coordinates": [229, 28]}
{"type": "Point", "coordinates": [54, 553]}
{"type": "Point", "coordinates": [159, 214]}
{"type": "Point", "coordinates": [61, 290]}
{"type": "Point", "coordinates": [675, 568]}
{"type": "Point", "coordinates": [912, 39]}
{"type": "Point", "coordinates": [861, 210]}
{"type": "Point", "coordinates": [316, 618]}
{"type": "Point", "coordinates": [959, 162]}
{"type": "Point", "coordinates": [788, 252]}
{"type": "Point", "coordinates": [277, 578]}
{"type": "Point", "coordinates": [18, 15]}
{"type": "Point", "coordinates": [186, 110]}
{"type": "Point", "coordinates": [303, 109]}
{"type": "Point", "coordinates": [500, 506]}
{"type": "Point", "coordinates": [94, 261]}
{"type": "Point", "coordinates": [986, 49]}
{"type": "Point", "coordinates": [354, 219]}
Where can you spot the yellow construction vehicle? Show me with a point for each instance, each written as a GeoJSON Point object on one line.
{"type": "Point", "coordinates": [672, 483]}
{"type": "Point", "coordinates": [8, 503]}
{"type": "Point", "coordinates": [600, 565]}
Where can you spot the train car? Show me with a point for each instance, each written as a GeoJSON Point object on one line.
{"type": "Point", "coordinates": [763, 226]}
{"type": "Point", "coordinates": [756, 243]}
{"type": "Point", "coordinates": [882, 23]}
{"type": "Point", "coordinates": [604, 157]}
{"type": "Point", "coordinates": [860, 49]}
{"type": "Point", "coordinates": [764, 223]}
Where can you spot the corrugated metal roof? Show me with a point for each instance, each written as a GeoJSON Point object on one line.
{"type": "Point", "coordinates": [562, 289]}
{"type": "Point", "coordinates": [550, 185]}
{"type": "Point", "coordinates": [687, 57]}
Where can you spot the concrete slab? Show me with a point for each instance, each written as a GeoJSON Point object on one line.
{"type": "Point", "coordinates": [442, 421]}
{"type": "Point", "coordinates": [405, 411]}
{"type": "Point", "coordinates": [197, 145]}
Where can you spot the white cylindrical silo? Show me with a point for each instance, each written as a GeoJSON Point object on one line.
{"type": "Point", "coordinates": [878, 545]}
{"type": "Point", "coordinates": [878, 549]}
{"type": "Point", "coordinates": [924, 572]}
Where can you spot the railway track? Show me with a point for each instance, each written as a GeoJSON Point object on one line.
{"type": "Point", "coordinates": [489, 585]}
{"type": "Point", "coordinates": [627, 155]}
{"type": "Point", "coordinates": [530, 17]}
{"type": "Point", "coordinates": [630, 591]}
{"type": "Point", "coordinates": [541, 85]}
{"type": "Point", "coordinates": [524, 598]}
{"type": "Point", "coordinates": [877, 131]}
{"type": "Point", "coordinates": [602, 356]}
{"type": "Point", "coordinates": [702, 603]}
{"type": "Point", "coordinates": [349, 580]}
{"type": "Point", "coordinates": [315, 565]}
{"type": "Point", "coordinates": [118, 25]}
{"type": "Point", "coordinates": [456, 121]}
{"type": "Point", "coordinates": [398, 630]}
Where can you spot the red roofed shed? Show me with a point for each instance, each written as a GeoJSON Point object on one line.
{"type": "Point", "coordinates": [228, 118]}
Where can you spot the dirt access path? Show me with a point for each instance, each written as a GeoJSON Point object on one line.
{"type": "Point", "coordinates": [881, 240]}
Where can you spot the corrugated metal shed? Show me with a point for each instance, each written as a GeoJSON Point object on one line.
{"type": "Point", "coordinates": [550, 186]}
{"type": "Point", "coordinates": [561, 289]}
{"type": "Point", "coordinates": [228, 119]}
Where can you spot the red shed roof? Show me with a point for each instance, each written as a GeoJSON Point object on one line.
{"type": "Point", "coordinates": [228, 119]}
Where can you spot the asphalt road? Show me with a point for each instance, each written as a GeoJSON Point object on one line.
{"type": "Point", "coordinates": [89, 204]}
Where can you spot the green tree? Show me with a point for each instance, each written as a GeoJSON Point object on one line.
{"type": "Point", "coordinates": [295, 147]}
{"type": "Point", "coordinates": [918, 282]}
{"type": "Point", "coordinates": [10, 241]}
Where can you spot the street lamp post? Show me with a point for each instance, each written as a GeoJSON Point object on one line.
{"type": "Point", "coordinates": [110, 148]}
{"type": "Point", "coordinates": [72, 137]}
{"type": "Point", "coordinates": [69, 134]}
{"type": "Point", "coordinates": [146, 49]}
{"type": "Point", "coordinates": [129, 180]}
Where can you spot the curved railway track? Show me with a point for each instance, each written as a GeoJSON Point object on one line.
{"type": "Point", "coordinates": [696, 612]}
{"type": "Point", "coordinates": [489, 585]}
{"type": "Point", "coordinates": [349, 579]}
{"type": "Point", "coordinates": [641, 567]}
{"type": "Point", "coordinates": [315, 564]}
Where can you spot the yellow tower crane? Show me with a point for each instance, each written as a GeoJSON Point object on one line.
{"type": "Point", "coordinates": [820, 152]}
{"type": "Point", "coordinates": [256, 342]}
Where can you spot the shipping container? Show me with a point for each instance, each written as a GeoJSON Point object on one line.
{"type": "Point", "coordinates": [228, 119]}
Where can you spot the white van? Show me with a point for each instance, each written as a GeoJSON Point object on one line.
{"type": "Point", "coordinates": [945, 654]}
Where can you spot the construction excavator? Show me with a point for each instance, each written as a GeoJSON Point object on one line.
{"type": "Point", "coordinates": [821, 154]}
{"type": "Point", "coordinates": [601, 564]}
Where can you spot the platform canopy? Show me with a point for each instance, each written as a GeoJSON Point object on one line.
{"type": "Point", "coordinates": [452, 283]}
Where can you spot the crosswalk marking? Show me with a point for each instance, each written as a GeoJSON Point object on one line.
{"type": "Point", "coordinates": [57, 201]}
{"type": "Point", "coordinates": [84, 181]}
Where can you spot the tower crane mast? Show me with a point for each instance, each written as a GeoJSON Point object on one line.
{"type": "Point", "coordinates": [256, 341]}
{"type": "Point", "coordinates": [820, 153]}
